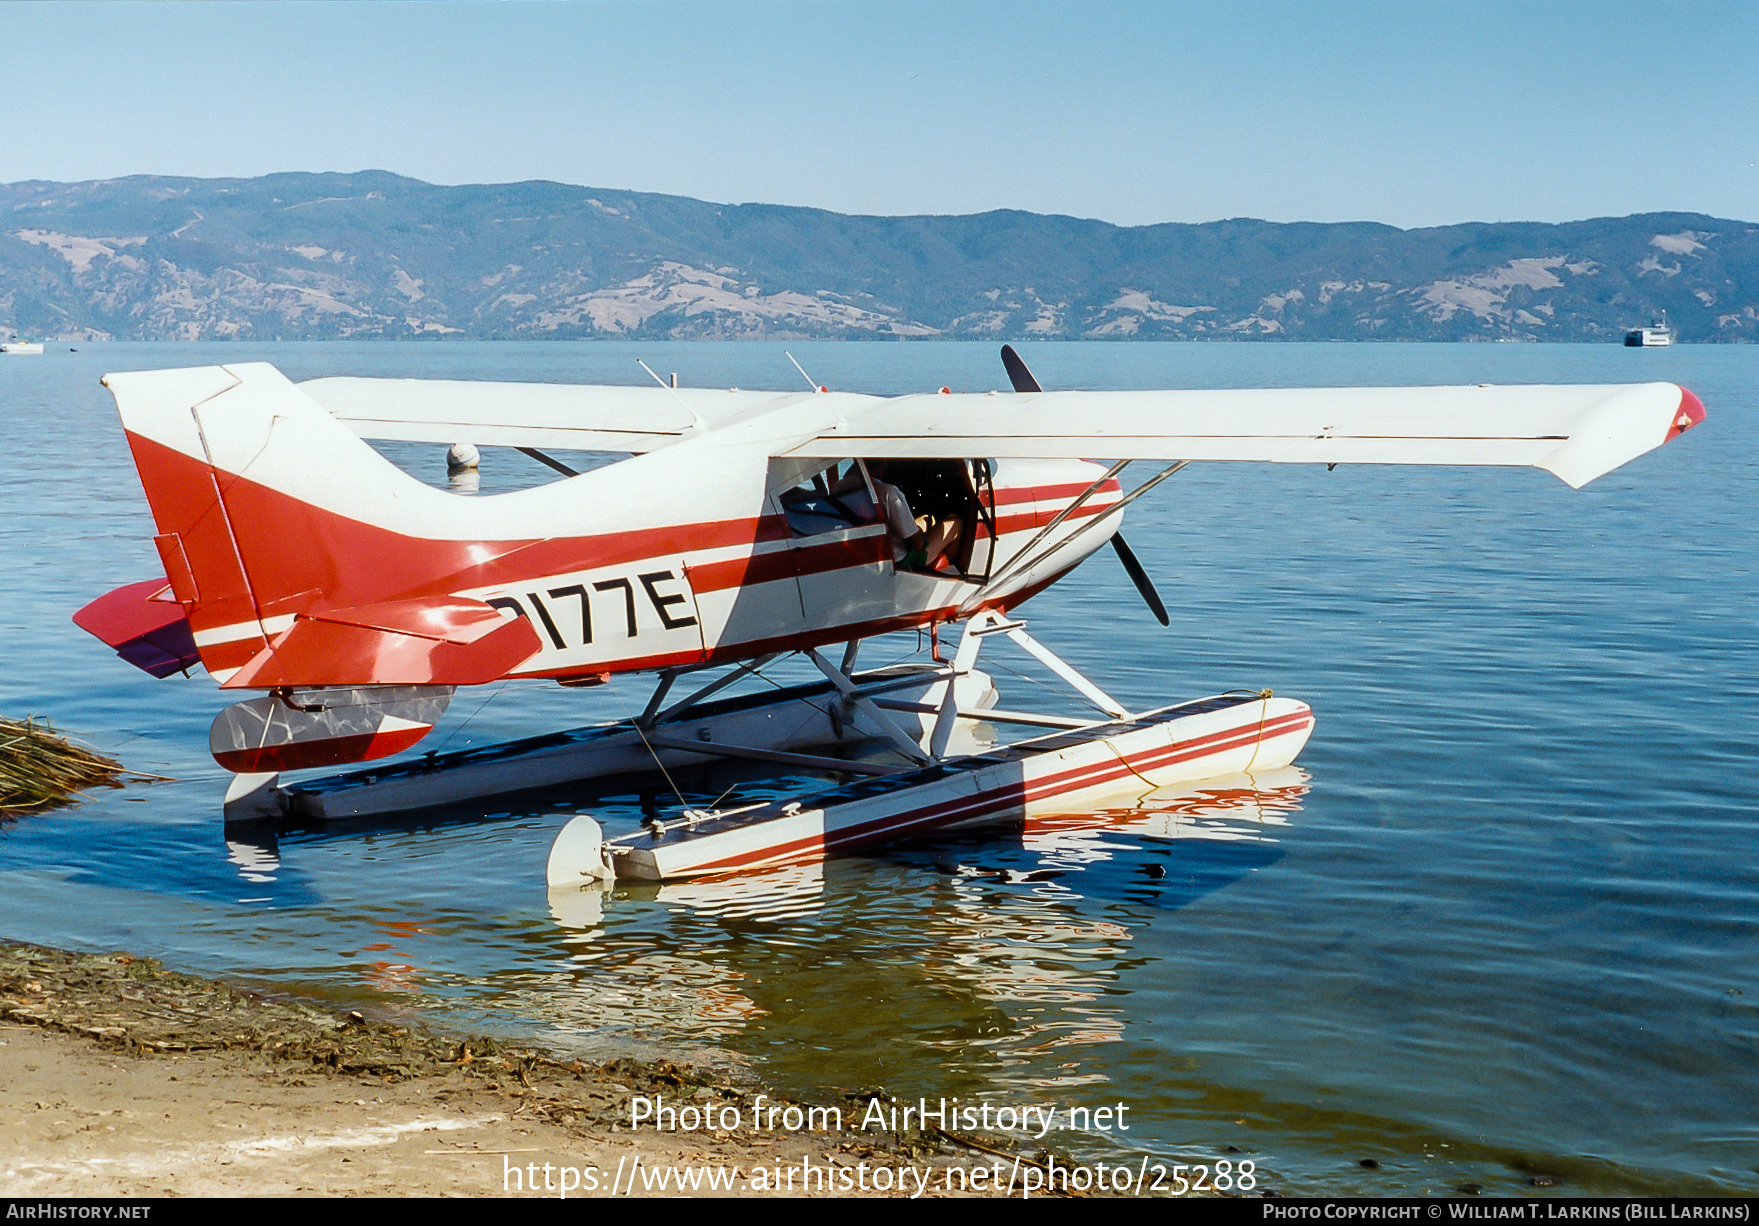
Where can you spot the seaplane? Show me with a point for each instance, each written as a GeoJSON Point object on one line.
{"type": "Point", "coordinates": [351, 600]}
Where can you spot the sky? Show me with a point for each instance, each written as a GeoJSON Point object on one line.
{"type": "Point", "coordinates": [1409, 113]}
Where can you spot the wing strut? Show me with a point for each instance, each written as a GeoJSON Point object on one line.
{"type": "Point", "coordinates": [713, 687]}
{"type": "Point", "coordinates": [1021, 560]}
{"type": "Point", "coordinates": [1013, 564]}
{"type": "Point", "coordinates": [1022, 379]}
{"type": "Point", "coordinates": [552, 461]}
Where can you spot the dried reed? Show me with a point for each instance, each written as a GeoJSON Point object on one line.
{"type": "Point", "coordinates": [39, 770]}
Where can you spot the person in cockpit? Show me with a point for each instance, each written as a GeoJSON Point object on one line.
{"type": "Point", "coordinates": [919, 542]}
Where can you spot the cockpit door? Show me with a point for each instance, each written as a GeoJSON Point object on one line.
{"type": "Point", "coordinates": [841, 550]}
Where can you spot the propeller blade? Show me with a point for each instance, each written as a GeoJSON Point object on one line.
{"type": "Point", "coordinates": [1023, 381]}
{"type": "Point", "coordinates": [1018, 375]}
{"type": "Point", "coordinates": [1139, 577]}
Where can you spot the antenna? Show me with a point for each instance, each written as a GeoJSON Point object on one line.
{"type": "Point", "coordinates": [695, 417]}
{"type": "Point", "coordinates": [816, 385]}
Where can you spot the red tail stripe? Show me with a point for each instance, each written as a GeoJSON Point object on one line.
{"type": "Point", "coordinates": [354, 563]}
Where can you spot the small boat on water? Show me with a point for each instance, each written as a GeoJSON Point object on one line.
{"type": "Point", "coordinates": [1656, 334]}
{"type": "Point", "coordinates": [21, 347]}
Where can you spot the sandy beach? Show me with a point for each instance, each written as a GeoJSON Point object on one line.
{"type": "Point", "coordinates": [121, 1078]}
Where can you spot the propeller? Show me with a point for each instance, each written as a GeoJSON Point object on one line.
{"type": "Point", "coordinates": [1139, 577]}
{"type": "Point", "coordinates": [1023, 381]}
{"type": "Point", "coordinates": [1018, 375]}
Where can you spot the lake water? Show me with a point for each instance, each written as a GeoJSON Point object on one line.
{"type": "Point", "coordinates": [1508, 924]}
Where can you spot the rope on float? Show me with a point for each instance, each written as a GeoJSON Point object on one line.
{"type": "Point", "coordinates": [479, 710]}
{"type": "Point", "coordinates": [1264, 696]}
{"type": "Point", "coordinates": [636, 724]}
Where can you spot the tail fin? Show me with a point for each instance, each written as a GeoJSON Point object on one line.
{"type": "Point", "coordinates": [195, 539]}
{"type": "Point", "coordinates": [245, 473]}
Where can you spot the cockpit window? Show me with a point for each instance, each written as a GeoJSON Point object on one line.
{"type": "Point", "coordinates": [830, 499]}
{"type": "Point", "coordinates": [940, 514]}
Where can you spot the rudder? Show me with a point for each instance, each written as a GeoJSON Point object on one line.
{"type": "Point", "coordinates": [266, 509]}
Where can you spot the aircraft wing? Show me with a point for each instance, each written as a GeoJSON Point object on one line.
{"type": "Point", "coordinates": [569, 416]}
{"type": "Point", "coordinates": [1576, 432]}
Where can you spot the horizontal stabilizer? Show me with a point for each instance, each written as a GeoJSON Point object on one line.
{"type": "Point", "coordinates": [451, 619]}
{"type": "Point", "coordinates": [444, 641]}
{"type": "Point", "coordinates": [145, 624]}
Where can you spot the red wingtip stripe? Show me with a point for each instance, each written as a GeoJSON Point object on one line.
{"type": "Point", "coordinates": [1690, 413]}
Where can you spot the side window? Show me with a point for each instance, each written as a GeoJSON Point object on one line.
{"type": "Point", "coordinates": [833, 498]}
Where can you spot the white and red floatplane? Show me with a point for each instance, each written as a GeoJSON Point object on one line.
{"type": "Point", "coordinates": [746, 526]}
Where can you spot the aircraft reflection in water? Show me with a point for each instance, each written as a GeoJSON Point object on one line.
{"type": "Point", "coordinates": [1010, 953]}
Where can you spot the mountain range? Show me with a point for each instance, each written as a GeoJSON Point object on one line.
{"type": "Point", "coordinates": [374, 254]}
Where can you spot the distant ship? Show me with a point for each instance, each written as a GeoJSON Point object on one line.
{"type": "Point", "coordinates": [1657, 333]}
{"type": "Point", "coordinates": [21, 346]}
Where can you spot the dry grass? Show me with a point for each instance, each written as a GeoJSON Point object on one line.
{"type": "Point", "coordinates": [39, 770]}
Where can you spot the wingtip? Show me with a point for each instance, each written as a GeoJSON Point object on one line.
{"type": "Point", "coordinates": [1689, 414]}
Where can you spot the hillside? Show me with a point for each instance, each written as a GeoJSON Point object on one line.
{"type": "Point", "coordinates": [376, 255]}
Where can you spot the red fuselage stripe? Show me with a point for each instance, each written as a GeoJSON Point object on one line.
{"type": "Point", "coordinates": [1007, 495]}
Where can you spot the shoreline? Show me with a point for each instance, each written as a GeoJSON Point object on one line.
{"type": "Point", "coordinates": [119, 1077]}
